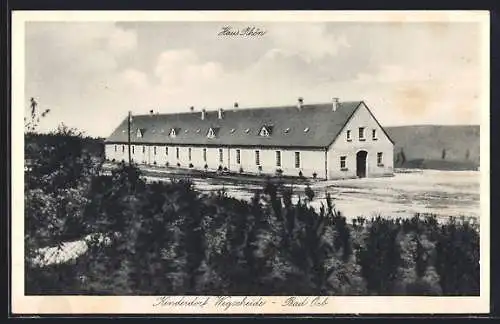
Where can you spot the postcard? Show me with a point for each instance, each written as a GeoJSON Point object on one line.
{"type": "Point", "coordinates": [250, 162]}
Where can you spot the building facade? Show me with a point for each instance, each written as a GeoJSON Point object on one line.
{"type": "Point", "coordinates": [335, 140]}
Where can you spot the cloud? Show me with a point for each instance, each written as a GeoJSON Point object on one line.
{"type": "Point", "coordinates": [312, 41]}
{"type": "Point", "coordinates": [182, 68]}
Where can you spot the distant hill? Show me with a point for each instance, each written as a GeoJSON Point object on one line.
{"type": "Point", "coordinates": [436, 147]}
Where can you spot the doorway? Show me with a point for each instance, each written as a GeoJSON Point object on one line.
{"type": "Point", "coordinates": [361, 164]}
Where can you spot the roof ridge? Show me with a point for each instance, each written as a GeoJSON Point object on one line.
{"type": "Point", "coordinates": [244, 109]}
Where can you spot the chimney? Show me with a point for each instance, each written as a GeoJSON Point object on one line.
{"type": "Point", "coordinates": [235, 105]}
{"type": "Point", "coordinates": [300, 103]}
{"type": "Point", "coordinates": [191, 108]}
{"type": "Point", "coordinates": [151, 112]}
{"type": "Point", "coordinates": [203, 111]}
{"type": "Point", "coordinates": [336, 104]}
{"type": "Point", "coordinates": [220, 113]}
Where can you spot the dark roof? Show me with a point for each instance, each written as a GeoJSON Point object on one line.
{"type": "Point", "coordinates": [314, 125]}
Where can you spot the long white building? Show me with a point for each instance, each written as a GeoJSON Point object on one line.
{"type": "Point", "coordinates": [332, 140]}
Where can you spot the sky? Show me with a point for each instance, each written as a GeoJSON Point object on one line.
{"type": "Point", "coordinates": [90, 74]}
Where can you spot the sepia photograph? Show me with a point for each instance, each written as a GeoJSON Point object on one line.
{"type": "Point", "coordinates": [250, 162]}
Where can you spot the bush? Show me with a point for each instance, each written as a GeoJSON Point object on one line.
{"type": "Point", "coordinates": [315, 175]}
{"type": "Point", "coordinates": [300, 174]}
{"type": "Point", "coordinates": [169, 239]}
{"type": "Point", "coordinates": [191, 165]}
{"type": "Point", "coordinates": [241, 170]}
{"type": "Point", "coordinates": [178, 164]}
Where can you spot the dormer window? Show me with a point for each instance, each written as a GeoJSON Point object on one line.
{"type": "Point", "coordinates": [232, 130]}
{"type": "Point", "coordinates": [306, 129]}
{"type": "Point", "coordinates": [187, 130]}
{"type": "Point", "coordinates": [247, 130]}
{"type": "Point", "coordinates": [264, 132]}
{"type": "Point", "coordinates": [211, 133]}
{"type": "Point", "coordinates": [198, 130]}
{"type": "Point", "coordinates": [173, 133]}
{"type": "Point", "coordinates": [140, 133]}
{"type": "Point", "coordinates": [286, 130]}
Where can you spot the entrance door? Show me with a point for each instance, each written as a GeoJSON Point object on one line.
{"type": "Point", "coordinates": [361, 164]}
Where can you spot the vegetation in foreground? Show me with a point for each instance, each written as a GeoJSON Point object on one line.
{"type": "Point", "coordinates": [168, 238]}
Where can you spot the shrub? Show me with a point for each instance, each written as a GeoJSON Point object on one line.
{"type": "Point", "coordinates": [205, 166]}
{"type": "Point", "coordinates": [260, 168]}
{"type": "Point", "coordinates": [279, 172]}
{"type": "Point", "coordinates": [191, 165]}
{"type": "Point", "coordinates": [219, 168]}
{"type": "Point", "coordinates": [167, 164]}
{"type": "Point", "coordinates": [309, 193]}
{"type": "Point", "coordinates": [178, 164]}
{"type": "Point", "coordinates": [169, 239]}
{"type": "Point", "coordinates": [315, 175]}
{"type": "Point", "coordinates": [300, 174]}
{"type": "Point", "coordinates": [241, 170]}
{"type": "Point", "coordinates": [225, 169]}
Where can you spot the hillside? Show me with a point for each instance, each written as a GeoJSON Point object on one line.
{"type": "Point", "coordinates": [436, 146]}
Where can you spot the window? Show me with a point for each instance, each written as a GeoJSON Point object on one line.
{"type": "Point", "coordinates": [221, 156]}
{"type": "Point", "coordinates": [343, 160]}
{"type": "Point", "coordinates": [143, 149]}
{"type": "Point", "coordinates": [297, 159]}
{"type": "Point", "coordinates": [257, 157]}
{"type": "Point", "coordinates": [189, 154]}
{"type": "Point", "coordinates": [238, 157]}
{"type": "Point", "coordinates": [173, 133]}
{"type": "Point", "coordinates": [154, 150]}
{"type": "Point", "coordinates": [205, 155]}
{"type": "Point", "coordinates": [379, 158]}
{"type": "Point", "coordinates": [361, 133]}
{"type": "Point", "coordinates": [166, 150]}
{"type": "Point", "coordinates": [177, 152]}
{"type": "Point", "coordinates": [139, 133]}
{"type": "Point", "coordinates": [348, 134]}
{"type": "Point", "coordinates": [374, 134]}
{"type": "Point", "coordinates": [133, 149]}
{"type": "Point", "coordinates": [211, 133]}
{"type": "Point", "coordinates": [278, 158]}
{"type": "Point", "coordinates": [116, 147]}
{"type": "Point", "coordinates": [123, 148]}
